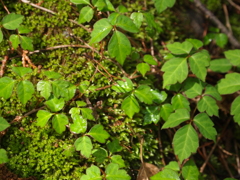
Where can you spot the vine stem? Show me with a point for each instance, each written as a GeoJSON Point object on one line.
{"type": "Point", "coordinates": [5, 7]}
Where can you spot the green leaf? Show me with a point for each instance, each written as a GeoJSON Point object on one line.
{"type": "Point", "coordinates": [230, 179]}
{"type": "Point", "coordinates": [117, 159]}
{"type": "Point", "coordinates": [59, 88]}
{"type": "Point", "coordinates": [112, 18]}
{"type": "Point", "coordinates": [81, 103]}
{"type": "Point", "coordinates": [212, 91]}
{"type": "Point", "coordinates": [173, 165]}
{"type": "Point", "coordinates": [69, 92]}
{"type": "Point", "coordinates": [185, 142]}
{"type": "Point", "coordinates": [143, 94]}
{"type": "Point", "coordinates": [84, 86]}
{"type": "Point", "coordinates": [221, 39]}
{"type": "Point", "coordinates": [192, 87]}
{"type": "Point", "coordinates": [93, 173]}
{"type": "Point", "coordinates": [55, 104]}
{"type": "Point", "coordinates": [195, 42]}
{"type": "Point", "coordinates": [25, 90]}
{"type": "Point", "coordinates": [130, 106]}
{"type": "Point", "coordinates": [180, 48]}
{"type": "Point", "coordinates": [43, 117]}
{"type": "Point", "coordinates": [229, 84]}
{"type": "Point", "coordinates": [235, 109]}
{"type": "Point", "coordinates": [21, 71]}
{"type": "Point", "coordinates": [14, 40]}
{"type": "Point", "coordinates": [143, 68]}
{"type": "Point", "coordinates": [190, 171]}
{"type": "Point", "coordinates": [87, 113]}
{"type": "Point", "coordinates": [84, 144]}
{"type": "Point", "coordinates": [151, 115]}
{"type": "Point", "coordinates": [119, 47]}
{"type": "Point", "coordinates": [126, 23]}
{"type": "Point", "coordinates": [12, 21]}
{"type": "Point", "coordinates": [209, 105]}
{"type": "Point", "coordinates": [86, 14]}
{"type": "Point", "coordinates": [149, 59]}
{"type": "Point", "coordinates": [233, 56]}
{"type": "Point", "coordinates": [3, 124]}
{"type": "Point", "coordinates": [100, 154]}
{"type": "Point", "coordinates": [109, 7]}
{"type": "Point", "coordinates": [158, 97]}
{"type": "Point", "coordinates": [98, 133]}
{"type": "Point", "coordinates": [59, 122]}
{"type": "Point", "coordinates": [123, 86]}
{"type": "Point", "coordinates": [6, 87]}
{"type": "Point", "coordinates": [113, 173]}
{"type": "Point", "coordinates": [100, 4]}
{"type": "Point", "coordinates": [166, 174]}
{"type": "Point", "coordinates": [137, 18]}
{"type": "Point", "coordinates": [80, 1]}
{"type": "Point", "coordinates": [79, 124]}
{"type": "Point", "coordinates": [45, 88]}
{"type": "Point", "coordinates": [122, 9]}
{"type": "Point", "coordinates": [205, 125]}
{"type": "Point", "coordinates": [114, 146]}
{"type": "Point", "coordinates": [1, 36]}
{"type": "Point", "coordinates": [161, 5]}
{"type": "Point", "coordinates": [3, 156]}
{"type": "Point", "coordinates": [100, 30]}
{"type": "Point", "coordinates": [69, 150]}
{"type": "Point", "coordinates": [198, 64]}
{"type": "Point", "coordinates": [52, 74]}
{"type": "Point", "coordinates": [220, 65]}
{"type": "Point", "coordinates": [176, 118]}
{"type": "Point", "coordinates": [179, 101]}
{"type": "Point", "coordinates": [26, 43]}
{"type": "Point", "coordinates": [176, 70]}
{"type": "Point", "coordinates": [166, 110]}
{"type": "Point", "coordinates": [23, 30]}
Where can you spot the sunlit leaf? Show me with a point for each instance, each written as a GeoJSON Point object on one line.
{"type": "Point", "coordinates": [151, 115]}
{"type": "Point", "coordinates": [195, 42]}
{"type": "Point", "coordinates": [229, 84]}
{"type": "Point", "coordinates": [149, 59]}
{"type": "Point", "coordinates": [1, 36]}
{"type": "Point", "coordinates": [23, 30]}
{"type": "Point", "coordinates": [14, 40]}
{"type": "Point", "coordinates": [166, 110]}
{"type": "Point", "coordinates": [114, 146]}
{"type": "Point", "coordinates": [212, 91]}
{"type": "Point", "coordinates": [79, 124]}
{"type": "Point", "coordinates": [87, 113]}
{"type": "Point", "coordinates": [21, 71]}
{"type": "Point", "coordinates": [92, 173]}
{"type": "Point", "coordinates": [3, 124]}
{"type": "Point", "coordinates": [220, 65]}
{"type": "Point", "coordinates": [123, 86]}
{"type": "Point", "coordinates": [137, 18]}
{"type": "Point", "coordinates": [81, 1]}
{"type": "Point", "coordinates": [143, 68]}
{"type": "Point", "coordinates": [3, 156]}
{"type": "Point", "coordinates": [59, 88]}
{"type": "Point", "coordinates": [59, 122]}
{"type": "Point", "coordinates": [158, 97]}
{"type": "Point", "coordinates": [143, 94]}
{"type": "Point", "coordinates": [26, 43]}
{"type": "Point", "coordinates": [52, 74]}
{"type": "Point", "coordinates": [221, 39]}
{"type": "Point", "coordinates": [166, 174]}
{"type": "Point", "coordinates": [173, 165]}
{"type": "Point", "coordinates": [86, 14]}
{"type": "Point", "coordinates": [209, 105]}
{"type": "Point", "coordinates": [180, 48]}
{"type": "Point", "coordinates": [84, 144]}
{"type": "Point", "coordinates": [25, 90]}
{"type": "Point", "coordinates": [190, 171]}
{"type": "Point", "coordinates": [45, 88]}
{"type": "Point", "coordinates": [12, 21]}
{"type": "Point", "coordinates": [98, 133]}
{"type": "Point", "coordinates": [192, 87]}
{"type": "Point", "coordinates": [114, 173]}
{"type": "Point", "coordinates": [55, 104]}
{"type": "Point", "coordinates": [161, 5]}
{"type": "Point", "coordinates": [126, 23]}
{"type": "Point", "coordinates": [117, 159]}
{"type": "Point", "coordinates": [130, 106]}
{"type": "Point", "coordinates": [233, 56]}
{"type": "Point", "coordinates": [6, 87]}
{"type": "Point", "coordinates": [235, 109]}
{"type": "Point", "coordinates": [179, 101]}
{"type": "Point", "coordinates": [43, 117]}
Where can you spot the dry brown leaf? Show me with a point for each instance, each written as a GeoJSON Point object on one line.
{"type": "Point", "coordinates": [146, 171]}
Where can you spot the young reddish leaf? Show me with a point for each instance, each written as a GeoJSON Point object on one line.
{"type": "Point", "coordinates": [84, 144]}
{"type": "Point", "coordinates": [130, 106]}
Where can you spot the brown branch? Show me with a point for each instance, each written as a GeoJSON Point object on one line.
{"type": "Point", "coordinates": [234, 42]}
{"type": "Point", "coordinates": [4, 62]}
{"type": "Point", "coordinates": [234, 5]}
{"type": "Point", "coordinates": [228, 25]}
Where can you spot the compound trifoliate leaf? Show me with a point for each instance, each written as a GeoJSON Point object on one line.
{"type": "Point", "coordinates": [180, 48]}
{"type": "Point", "coordinates": [175, 70]}
{"type": "Point", "coordinates": [119, 47]}
{"type": "Point", "coordinates": [209, 105]}
{"type": "Point", "coordinates": [55, 104]}
{"type": "Point", "coordinates": [178, 101]}
{"type": "Point", "coordinates": [205, 125]}
{"type": "Point", "coordinates": [3, 124]}
{"type": "Point", "coordinates": [21, 71]}
{"type": "Point", "coordinates": [114, 173]}
{"type": "Point", "coordinates": [151, 115]}
{"type": "Point", "coordinates": [6, 87]}
{"type": "Point", "coordinates": [100, 154]}
{"type": "Point", "coordinates": [185, 142]}
{"type": "Point", "coordinates": [12, 21]}
{"type": "Point", "coordinates": [229, 84]}
{"type": "Point", "coordinates": [143, 68]}
{"type": "Point", "coordinates": [79, 124]}
{"type": "Point", "coordinates": [161, 5]}
{"type": "Point", "coordinates": [3, 156]}
{"type": "Point", "coordinates": [59, 88]}
{"type": "Point", "coordinates": [69, 93]}
{"type": "Point", "coordinates": [45, 88]}
{"type": "Point", "coordinates": [98, 133]}
{"type": "Point", "coordinates": [114, 146]}
{"type": "Point", "coordinates": [86, 14]}
{"type": "Point", "coordinates": [126, 23]}
{"type": "Point", "coordinates": [143, 94]}
{"type": "Point", "coordinates": [192, 87]}
{"type": "Point", "coordinates": [43, 117]}
{"type": "Point", "coordinates": [235, 109]}
{"type": "Point", "coordinates": [137, 18]}
{"type": "Point", "coordinates": [84, 144]}
{"type": "Point", "coordinates": [212, 91]}
{"type": "Point", "coordinates": [220, 65]}
{"type": "Point", "coordinates": [92, 173]}
{"type": "Point", "coordinates": [233, 56]}
{"type": "Point", "coordinates": [59, 122]}
{"type": "Point", "coordinates": [25, 90]}
{"type": "Point", "coordinates": [123, 86]}
{"type": "Point", "coordinates": [117, 159]}
{"type": "Point", "coordinates": [166, 174]}
{"type": "Point", "coordinates": [190, 171]}
{"type": "Point", "coordinates": [130, 106]}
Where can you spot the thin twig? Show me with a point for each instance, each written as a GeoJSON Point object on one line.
{"type": "Point", "coordinates": [228, 25]}
{"type": "Point", "coordinates": [237, 158]}
{"type": "Point", "coordinates": [225, 164]}
{"type": "Point", "coordinates": [4, 62]}
{"type": "Point", "coordinates": [160, 145]}
{"type": "Point", "coordinates": [234, 5]}
{"type": "Point", "coordinates": [5, 7]}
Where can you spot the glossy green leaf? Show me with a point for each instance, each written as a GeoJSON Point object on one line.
{"type": "Point", "coordinates": [81, 1]}
{"type": "Point", "coordinates": [233, 56]}
{"type": "Point", "coordinates": [87, 113]}
{"type": "Point", "coordinates": [192, 87]}
{"type": "Point", "coordinates": [179, 101]}
{"type": "Point", "coordinates": [119, 47]}
{"type": "Point", "coordinates": [150, 20]}
{"type": "Point", "coordinates": [109, 6]}
{"type": "Point", "coordinates": [100, 30]}
{"type": "Point", "coordinates": [69, 92]}
{"type": "Point", "coordinates": [173, 165]}
{"type": "Point", "coordinates": [212, 91]}
{"type": "Point", "coordinates": [112, 18]}
{"type": "Point", "coordinates": [59, 88]}
{"type": "Point", "coordinates": [98, 133]}
{"type": "Point", "coordinates": [3, 156]}
{"type": "Point", "coordinates": [198, 64]}
{"type": "Point", "coordinates": [195, 42]}
{"type": "Point", "coordinates": [3, 124]}
{"type": "Point", "coordinates": [59, 122]}
{"type": "Point", "coordinates": [143, 68]}
{"type": "Point", "coordinates": [84, 144]}
{"type": "Point", "coordinates": [79, 124]}
{"type": "Point", "coordinates": [209, 105]}
{"type": "Point", "coordinates": [149, 59]}
{"type": "Point", "coordinates": [12, 21]}
{"type": "Point", "coordinates": [117, 159]}
{"type": "Point", "coordinates": [143, 94]}
{"type": "Point", "coordinates": [26, 43]}
{"type": "Point", "coordinates": [126, 23]}
{"type": "Point", "coordinates": [229, 84]}
{"type": "Point", "coordinates": [137, 18]}
{"type": "Point", "coordinates": [151, 115]}
{"type": "Point", "coordinates": [21, 71]}
{"type": "Point", "coordinates": [1, 36]}
{"type": "Point", "coordinates": [235, 109]}
{"type": "Point", "coordinates": [114, 146]}
{"type": "Point", "coordinates": [221, 39]}
{"type": "Point", "coordinates": [52, 74]}
{"type": "Point", "coordinates": [166, 110]}
{"type": "Point", "coordinates": [180, 48]}
{"type": "Point", "coordinates": [43, 117]}
{"type": "Point", "coordinates": [205, 126]}
{"type": "Point", "coordinates": [190, 171]}
{"type": "Point", "coordinates": [23, 30]}
{"type": "Point", "coordinates": [166, 174]}
{"type": "Point", "coordinates": [123, 86]}
{"type": "Point", "coordinates": [100, 154]}
{"type": "Point", "coordinates": [6, 87]}
{"type": "Point", "coordinates": [100, 4]}
{"type": "Point", "coordinates": [92, 173]}
{"type": "Point", "coordinates": [86, 14]}
{"type": "Point", "coordinates": [130, 106]}
{"type": "Point", "coordinates": [114, 173]}
{"type": "Point", "coordinates": [220, 65]}
{"type": "Point", "coordinates": [45, 88]}
{"type": "Point", "coordinates": [14, 39]}
{"type": "Point", "coordinates": [158, 97]}
{"type": "Point", "coordinates": [122, 9]}
{"type": "Point", "coordinates": [25, 90]}
{"type": "Point", "coordinates": [55, 104]}
{"type": "Point", "coordinates": [175, 70]}
{"type": "Point", "coordinates": [84, 86]}
{"type": "Point", "coordinates": [176, 118]}
{"type": "Point", "coordinates": [185, 142]}
{"type": "Point", "coordinates": [161, 5]}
